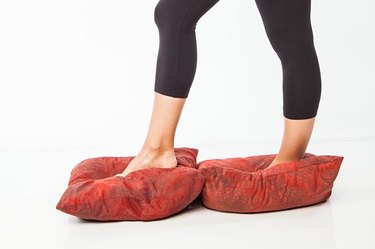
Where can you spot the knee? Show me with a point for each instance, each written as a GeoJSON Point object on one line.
{"type": "Point", "coordinates": [292, 43]}
{"type": "Point", "coordinates": [177, 16]}
{"type": "Point", "coordinates": [168, 15]}
{"type": "Point", "coordinates": [161, 13]}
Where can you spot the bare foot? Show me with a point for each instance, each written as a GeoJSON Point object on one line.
{"type": "Point", "coordinates": [151, 158]}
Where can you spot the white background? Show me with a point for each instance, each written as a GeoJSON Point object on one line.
{"type": "Point", "coordinates": [81, 74]}
{"type": "Point", "coordinates": [76, 81]}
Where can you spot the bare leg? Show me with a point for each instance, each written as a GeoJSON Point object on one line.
{"type": "Point", "coordinates": [288, 27]}
{"type": "Point", "coordinates": [295, 140]}
{"type": "Point", "coordinates": [175, 71]}
{"type": "Point", "coordinates": [158, 148]}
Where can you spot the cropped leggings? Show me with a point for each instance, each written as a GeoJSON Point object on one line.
{"type": "Point", "coordinates": [288, 28]}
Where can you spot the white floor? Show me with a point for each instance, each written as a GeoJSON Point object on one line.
{"type": "Point", "coordinates": [32, 182]}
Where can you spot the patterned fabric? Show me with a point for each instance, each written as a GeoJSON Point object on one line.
{"type": "Point", "coordinates": [95, 193]}
{"type": "Point", "coordinates": [246, 185]}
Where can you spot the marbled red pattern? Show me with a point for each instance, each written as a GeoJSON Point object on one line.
{"type": "Point", "coordinates": [149, 194]}
{"type": "Point", "coordinates": [246, 185]}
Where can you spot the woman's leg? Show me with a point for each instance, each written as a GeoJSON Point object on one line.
{"type": "Point", "coordinates": [295, 139]}
{"type": "Point", "coordinates": [158, 148]}
{"type": "Point", "coordinates": [288, 27]}
{"type": "Point", "coordinates": [176, 65]}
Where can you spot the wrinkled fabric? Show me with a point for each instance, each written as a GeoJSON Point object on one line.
{"type": "Point", "coordinates": [95, 193]}
{"type": "Point", "coordinates": [246, 185]}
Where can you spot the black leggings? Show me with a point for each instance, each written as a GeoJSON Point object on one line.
{"type": "Point", "coordinates": [288, 28]}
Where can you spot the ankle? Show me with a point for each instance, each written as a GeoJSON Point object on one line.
{"type": "Point", "coordinates": [157, 149]}
{"type": "Point", "coordinates": [164, 157]}
{"type": "Point", "coordinates": [286, 158]}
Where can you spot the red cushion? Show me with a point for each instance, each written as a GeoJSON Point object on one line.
{"type": "Point", "coordinates": [147, 194]}
{"type": "Point", "coordinates": [246, 185]}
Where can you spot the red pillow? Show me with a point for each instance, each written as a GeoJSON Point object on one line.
{"type": "Point", "coordinates": [147, 194]}
{"type": "Point", "coordinates": [246, 185]}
